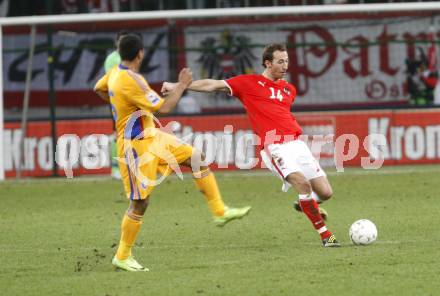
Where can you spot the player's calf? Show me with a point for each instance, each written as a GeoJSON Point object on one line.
{"type": "Point", "coordinates": [310, 208]}
{"type": "Point", "coordinates": [322, 211]}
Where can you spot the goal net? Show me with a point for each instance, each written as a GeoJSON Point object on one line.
{"type": "Point", "coordinates": [348, 56]}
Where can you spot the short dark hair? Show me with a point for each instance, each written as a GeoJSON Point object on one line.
{"type": "Point", "coordinates": [129, 47]}
{"type": "Point", "coordinates": [270, 49]}
{"type": "Point", "coordinates": [119, 35]}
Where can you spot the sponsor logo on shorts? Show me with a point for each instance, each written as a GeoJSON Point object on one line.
{"type": "Point", "coordinates": [280, 162]}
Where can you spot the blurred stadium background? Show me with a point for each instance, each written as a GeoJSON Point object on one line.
{"type": "Point", "coordinates": [358, 72]}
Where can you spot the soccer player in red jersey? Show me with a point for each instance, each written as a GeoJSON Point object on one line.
{"type": "Point", "coordinates": [267, 99]}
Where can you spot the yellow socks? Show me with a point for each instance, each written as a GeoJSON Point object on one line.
{"type": "Point", "coordinates": [131, 224]}
{"type": "Point", "coordinates": [206, 183]}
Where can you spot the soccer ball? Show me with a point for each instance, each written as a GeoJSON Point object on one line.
{"type": "Point", "coordinates": [363, 232]}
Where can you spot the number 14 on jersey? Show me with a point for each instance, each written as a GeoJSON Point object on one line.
{"type": "Point", "coordinates": [278, 95]}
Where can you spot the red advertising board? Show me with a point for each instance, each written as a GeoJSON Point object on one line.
{"type": "Point", "coordinates": [38, 160]}
{"type": "Point", "coordinates": [412, 137]}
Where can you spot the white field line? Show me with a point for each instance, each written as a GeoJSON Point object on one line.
{"type": "Point", "coordinates": [389, 170]}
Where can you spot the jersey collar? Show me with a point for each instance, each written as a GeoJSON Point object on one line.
{"type": "Point", "coordinates": [280, 82]}
{"type": "Point", "coordinates": [123, 67]}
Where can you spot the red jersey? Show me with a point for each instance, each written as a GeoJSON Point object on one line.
{"type": "Point", "coordinates": [268, 106]}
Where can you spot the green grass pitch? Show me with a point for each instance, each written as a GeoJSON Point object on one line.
{"type": "Point", "coordinates": [57, 237]}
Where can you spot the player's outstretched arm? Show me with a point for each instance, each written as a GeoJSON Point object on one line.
{"type": "Point", "coordinates": [173, 96]}
{"type": "Point", "coordinates": [208, 85]}
{"type": "Point", "coordinates": [202, 85]}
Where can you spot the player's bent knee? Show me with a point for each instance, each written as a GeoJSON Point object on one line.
{"type": "Point", "coordinates": [196, 159]}
{"type": "Point", "coordinates": [327, 194]}
{"type": "Point", "coordinates": [199, 168]}
{"type": "Point", "coordinates": [139, 207]}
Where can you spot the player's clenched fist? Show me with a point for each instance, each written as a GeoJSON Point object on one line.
{"type": "Point", "coordinates": [167, 87]}
{"type": "Point", "coordinates": [185, 79]}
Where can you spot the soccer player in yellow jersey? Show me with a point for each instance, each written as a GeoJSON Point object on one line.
{"type": "Point", "coordinates": [145, 150]}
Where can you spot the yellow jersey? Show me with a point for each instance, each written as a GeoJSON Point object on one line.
{"type": "Point", "coordinates": [132, 102]}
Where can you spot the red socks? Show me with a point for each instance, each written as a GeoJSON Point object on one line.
{"type": "Point", "coordinates": [311, 210]}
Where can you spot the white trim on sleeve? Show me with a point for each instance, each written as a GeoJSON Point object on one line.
{"type": "Point", "coordinates": [228, 86]}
